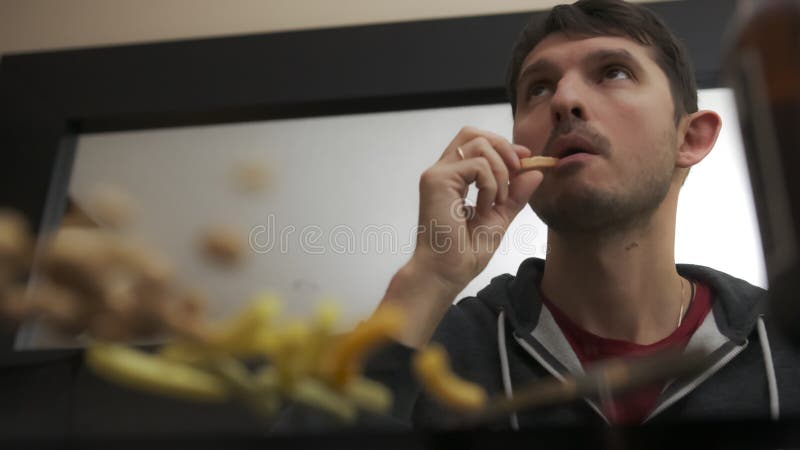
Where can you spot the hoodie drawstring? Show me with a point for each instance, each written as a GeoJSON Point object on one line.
{"type": "Point", "coordinates": [772, 383]}
{"type": "Point", "coordinates": [501, 346]}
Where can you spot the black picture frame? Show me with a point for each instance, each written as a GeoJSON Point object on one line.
{"type": "Point", "coordinates": [47, 99]}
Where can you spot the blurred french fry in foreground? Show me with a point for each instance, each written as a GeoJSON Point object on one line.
{"type": "Point", "coordinates": [432, 367]}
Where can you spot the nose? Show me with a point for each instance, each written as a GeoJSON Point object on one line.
{"type": "Point", "coordinates": [568, 101]}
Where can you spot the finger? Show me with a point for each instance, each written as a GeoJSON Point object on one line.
{"type": "Point", "coordinates": [479, 171]}
{"type": "Point", "coordinates": [481, 148]}
{"type": "Point", "coordinates": [504, 148]}
{"type": "Point", "coordinates": [522, 151]}
{"type": "Point", "coordinates": [522, 186]}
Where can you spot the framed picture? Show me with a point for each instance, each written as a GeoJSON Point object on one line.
{"type": "Point", "coordinates": [343, 120]}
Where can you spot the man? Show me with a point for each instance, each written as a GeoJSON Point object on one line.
{"type": "Point", "coordinates": [606, 88]}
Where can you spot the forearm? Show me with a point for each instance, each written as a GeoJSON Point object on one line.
{"type": "Point", "coordinates": [423, 298]}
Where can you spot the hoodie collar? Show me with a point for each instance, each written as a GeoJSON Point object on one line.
{"type": "Point", "coordinates": [736, 308]}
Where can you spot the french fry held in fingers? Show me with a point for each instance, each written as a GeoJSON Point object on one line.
{"type": "Point", "coordinates": [432, 367]}
{"type": "Point", "coordinates": [537, 163]}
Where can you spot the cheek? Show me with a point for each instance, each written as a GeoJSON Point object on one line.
{"type": "Point", "coordinates": [637, 125]}
{"type": "Point", "coordinates": [649, 112]}
{"type": "Point", "coordinates": [530, 132]}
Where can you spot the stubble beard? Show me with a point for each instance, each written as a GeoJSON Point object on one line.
{"type": "Point", "coordinates": [586, 209]}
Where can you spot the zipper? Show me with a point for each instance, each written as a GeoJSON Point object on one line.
{"type": "Point", "coordinates": [555, 373]}
{"type": "Point", "coordinates": [663, 405]}
{"type": "Point", "coordinates": [697, 381]}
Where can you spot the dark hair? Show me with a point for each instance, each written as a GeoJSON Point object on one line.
{"type": "Point", "coordinates": [612, 18]}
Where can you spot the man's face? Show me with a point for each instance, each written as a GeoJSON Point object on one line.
{"type": "Point", "coordinates": [604, 107]}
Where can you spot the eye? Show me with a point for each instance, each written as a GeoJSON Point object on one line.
{"type": "Point", "coordinates": [617, 73]}
{"type": "Point", "coordinates": [538, 89]}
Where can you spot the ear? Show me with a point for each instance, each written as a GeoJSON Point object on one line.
{"type": "Point", "coordinates": [697, 133]}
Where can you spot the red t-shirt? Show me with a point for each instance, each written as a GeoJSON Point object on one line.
{"type": "Point", "coordinates": [634, 406]}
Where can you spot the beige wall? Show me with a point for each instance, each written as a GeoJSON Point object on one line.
{"type": "Point", "coordinates": [29, 25]}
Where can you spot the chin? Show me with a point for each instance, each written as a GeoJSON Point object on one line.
{"type": "Point", "coordinates": [580, 208]}
{"type": "Point", "coordinates": [575, 190]}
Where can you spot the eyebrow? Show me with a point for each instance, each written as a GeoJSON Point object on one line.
{"type": "Point", "coordinates": [545, 65]}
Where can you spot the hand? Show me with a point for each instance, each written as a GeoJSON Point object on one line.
{"type": "Point", "coordinates": [455, 241]}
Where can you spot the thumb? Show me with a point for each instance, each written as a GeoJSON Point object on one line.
{"type": "Point", "coordinates": [522, 186]}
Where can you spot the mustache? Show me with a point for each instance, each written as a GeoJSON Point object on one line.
{"type": "Point", "coordinates": [580, 128]}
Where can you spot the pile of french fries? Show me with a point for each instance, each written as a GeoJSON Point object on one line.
{"type": "Point", "coordinates": [306, 363]}
{"type": "Point", "coordinates": [110, 290]}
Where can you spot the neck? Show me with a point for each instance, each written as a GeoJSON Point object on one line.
{"type": "Point", "coordinates": [620, 285]}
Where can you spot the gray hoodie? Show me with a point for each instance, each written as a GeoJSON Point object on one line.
{"type": "Point", "coordinates": [503, 339]}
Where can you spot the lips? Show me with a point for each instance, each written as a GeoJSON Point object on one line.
{"type": "Point", "coordinates": [568, 145]}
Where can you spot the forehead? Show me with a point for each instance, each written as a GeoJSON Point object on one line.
{"type": "Point", "coordinates": [564, 50]}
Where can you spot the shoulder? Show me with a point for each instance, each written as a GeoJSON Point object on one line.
{"type": "Point", "coordinates": [737, 304]}
{"type": "Point", "coordinates": [474, 317]}
{"type": "Point", "coordinates": [466, 320]}
{"type": "Point", "coordinates": [722, 283]}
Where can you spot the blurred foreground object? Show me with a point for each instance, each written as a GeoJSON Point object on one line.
{"type": "Point", "coordinates": [112, 206]}
{"type": "Point", "coordinates": [109, 289]}
{"type": "Point", "coordinates": [224, 245]}
{"type": "Point", "coordinates": [15, 246]}
{"type": "Point", "coordinates": [209, 367]}
{"type": "Point", "coordinates": [763, 67]}
{"type": "Point", "coordinates": [251, 177]}
{"type": "Point", "coordinates": [432, 367]}
{"type": "Point", "coordinates": [120, 289]}
{"type": "Point", "coordinates": [602, 382]}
